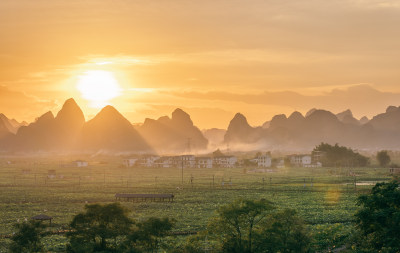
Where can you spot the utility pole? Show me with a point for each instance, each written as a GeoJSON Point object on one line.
{"type": "Point", "coordinates": [182, 168]}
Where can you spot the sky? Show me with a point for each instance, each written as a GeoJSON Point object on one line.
{"type": "Point", "coordinates": [212, 58]}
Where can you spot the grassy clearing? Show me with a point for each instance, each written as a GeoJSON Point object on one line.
{"type": "Point", "coordinates": [324, 197]}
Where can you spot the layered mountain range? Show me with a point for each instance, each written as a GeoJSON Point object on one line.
{"type": "Point", "coordinates": [109, 131]}
{"type": "Point", "coordinates": [9, 126]}
{"type": "Point", "coordinates": [176, 134]}
{"type": "Point", "coordinates": [298, 132]}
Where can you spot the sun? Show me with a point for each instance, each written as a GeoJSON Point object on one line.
{"type": "Point", "coordinates": [98, 87]}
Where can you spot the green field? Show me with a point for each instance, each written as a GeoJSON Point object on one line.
{"type": "Point", "coordinates": [324, 197]}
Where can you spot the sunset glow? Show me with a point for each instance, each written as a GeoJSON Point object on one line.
{"type": "Point", "coordinates": [98, 87]}
{"type": "Point", "coordinates": [199, 126]}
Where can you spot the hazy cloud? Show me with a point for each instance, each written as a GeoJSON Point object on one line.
{"type": "Point", "coordinates": [362, 99]}
{"type": "Point", "coordinates": [22, 106]}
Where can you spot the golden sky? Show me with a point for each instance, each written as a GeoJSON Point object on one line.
{"type": "Point", "coordinates": [211, 58]}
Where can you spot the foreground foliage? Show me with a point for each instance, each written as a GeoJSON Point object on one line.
{"type": "Point", "coordinates": [99, 228]}
{"type": "Point", "coordinates": [147, 236]}
{"type": "Point", "coordinates": [28, 237]}
{"type": "Point", "coordinates": [249, 226]}
{"type": "Point", "coordinates": [378, 220]}
{"type": "Point", "coordinates": [283, 232]}
{"type": "Point", "coordinates": [107, 228]}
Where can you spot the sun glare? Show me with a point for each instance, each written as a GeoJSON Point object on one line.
{"type": "Point", "coordinates": [98, 87]}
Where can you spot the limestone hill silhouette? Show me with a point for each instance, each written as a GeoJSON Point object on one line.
{"type": "Point", "coordinates": [4, 129]}
{"type": "Point", "coordinates": [37, 136]}
{"type": "Point", "coordinates": [68, 132]}
{"type": "Point", "coordinates": [240, 131]}
{"type": "Point", "coordinates": [175, 134]}
{"type": "Point", "coordinates": [110, 131]}
{"type": "Point", "coordinates": [68, 123]}
{"type": "Point", "coordinates": [303, 133]}
{"type": "Point", "coordinates": [347, 117]}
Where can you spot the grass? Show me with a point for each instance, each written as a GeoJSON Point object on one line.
{"type": "Point", "coordinates": [324, 197]}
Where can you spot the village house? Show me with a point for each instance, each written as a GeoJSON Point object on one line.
{"type": "Point", "coordinates": [204, 162]}
{"type": "Point", "coordinates": [164, 162]}
{"type": "Point", "coordinates": [74, 164]}
{"type": "Point", "coordinates": [147, 160]}
{"type": "Point", "coordinates": [224, 161]}
{"type": "Point", "coordinates": [300, 160]}
{"type": "Point", "coordinates": [130, 162]}
{"type": "Point", "coordinates": [188, 161]}
{"type": "Point", "coordinates": [80, 163]}
{"type": "Point", "coordinates": [264, 160]}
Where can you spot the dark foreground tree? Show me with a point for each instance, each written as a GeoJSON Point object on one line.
{"type": "Point", "coordinates": [148, 235]}
{"type": "Point", "coordinates": [383, 158]}
{"type": "Point", "coordinates": [101, 228]}
{"type": "Point", "coordinates": [28, 237]}
{"type": "Point", "coordinates": [236, 223]}
{"type": "Point", "coordinates": [283, 232]}
{"type": "Point", "coordinates": [378, 220]}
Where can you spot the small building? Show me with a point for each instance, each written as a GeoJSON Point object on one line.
{"type": "Point", "coordinates": [147, 160]}
{"type": "Point", "coordinates": [225, 161]}
{"type": "Point", "coordinates": [314, 165]}
{"type": "Point", "coordinates": [80, 163]}
{"type": "Point", "coordinates": [184, 161]}
{"type": "Point", "coordinates": [300, 160]}
{"type": "Point", "coordinates": [317, 156]}
{"type": "Point", "coordinates": [129, 162]}
{"type": "Point", "coordinates": [204, 162]}
{"type": "Point", "coordinates": [164, 162]}
{"type": "Point", "coordinates": [189, 161]}
{"type": "Point", "coordinates": [264, 161]}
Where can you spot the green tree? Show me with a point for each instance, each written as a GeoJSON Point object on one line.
{"type": "Point", "coordinates": [283, 232]}
{"type": "Point", "coordinates": [378, 220]}
{"type": "Point", "coordinates": [100, 228]}
{"type": "Point", "coordinates": [148, 235]}
{"type": "Point", "coordinates": [383, 158]}
{"type": "Point", "coordinates": [198, 243]}
{"type": "Point", "coordinates": [28, 237]}
{"type": "Point", "coordinates": [340, 156]}
{"type": "Point", "coordinates": [236, 223]}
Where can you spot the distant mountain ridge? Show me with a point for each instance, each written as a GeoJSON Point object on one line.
{"type": "Point", "coordinates": [176, 134]}
{"type": "Point", "coordinates": [108, 131]}
{"type": "Point", "coordinates": [8, 126]}
{"type": "Point", "coordinates": [300, 132]}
